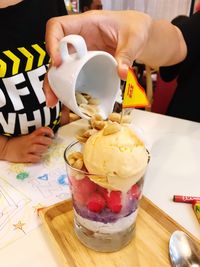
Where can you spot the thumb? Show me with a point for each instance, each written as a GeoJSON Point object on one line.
{"type": "Point", "coordinates": [125, 60]}
{"type": "Point", "coordinates": [123, 64]}
{"type": "Point", "coordinates": [126, 53]}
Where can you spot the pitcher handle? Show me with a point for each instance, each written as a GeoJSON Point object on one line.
{"type": "Point", "coordinates": [78, 43]}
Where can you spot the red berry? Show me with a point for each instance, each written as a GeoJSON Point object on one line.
{"type": "Point", "coordinates": [86, 186]}
{"type": "Point", "coordinates": [96, 202]}
{"type": "Point", "coordinates": [114, 201]}
{"type": "Point", "coordinates": [79, 198]}
{"type": "Point", "coordinates": [134, 192]}
{"type": "Point", "coordinates": [82, 189]}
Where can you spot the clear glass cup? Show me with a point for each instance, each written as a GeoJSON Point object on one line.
{"type": "Point", "coordinates": [104, 220]}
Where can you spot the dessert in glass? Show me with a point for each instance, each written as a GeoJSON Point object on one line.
{"type": "Point", "coordinates": [106, 169]}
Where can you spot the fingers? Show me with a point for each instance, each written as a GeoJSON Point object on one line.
{"type": "Point", "coordinates": [51, 98]}
{"type": "Point", "coordinates": [132, 39]}
{"type": "Point", "coordinates": [56, 29]}
{"type": "Point", "coordinates": [44, 131]}
{"type": "Point", "coordinates": [54, 33]}
{"type": "Point", "coordinates": [41, 140]}
{"type": "Point", "coordinates": [29, 148]}
{"type": "Point", "coordinates": [32, 158]}
{"type": "Point", "coordinates": [38, 149]}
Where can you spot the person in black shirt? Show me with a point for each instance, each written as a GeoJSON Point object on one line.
{"type": "Point", "coordinates": [27, 125]}
{"type": "Point", "coordinates": [178, 106]}
{"type": "Point", "coordinates": [130, 35]}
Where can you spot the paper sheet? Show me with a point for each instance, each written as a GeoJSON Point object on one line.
{"type": "Point", "coordinates": [26, 187]}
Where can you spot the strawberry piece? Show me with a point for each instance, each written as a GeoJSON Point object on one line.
{"type": "Point", "coordinates": [114, 201]}
{"type": "Point", "coordinates": [79, 198]}
{"type": "Point", "coordinates": [82, 189]}
{"type": "Point", "coordinates": [86, 186]}
{"type": "Point", "coordinates": [96, 202]}
{"type": "Point", "coordinates": [135, 191]}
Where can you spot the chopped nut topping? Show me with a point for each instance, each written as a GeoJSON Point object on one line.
{"type": "Point", "coordinates": [89, 132]}
{"type": "Point", "coordinates": [111, 128]}
{"type": "Point", "coordinates": [89, 110]}
{"type": "Point", "coordinates": [94, 101]}
{"type": "Point", "coordinates": [115, 117]}
{"type": "Point", "coordinates": [80, 99]}
{"type": "Point", "coordinates": [87, 104]}
{"type": "Point", "coordinates": [75, 160]}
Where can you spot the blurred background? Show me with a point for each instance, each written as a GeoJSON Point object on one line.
{"type": "Point", "coordinates": [167, 9]}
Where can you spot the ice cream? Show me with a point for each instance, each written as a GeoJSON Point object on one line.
{"type": "Point", "coordinates": [106, 174]}
{"type": "Point", "coordinates": [117, 154]}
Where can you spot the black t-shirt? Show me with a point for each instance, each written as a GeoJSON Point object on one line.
{"type": "Point", "coordinates": [23, 64]}
{"type": "Point", "coordinates": [185, 103]}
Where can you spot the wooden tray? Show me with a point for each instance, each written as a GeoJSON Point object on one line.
{"type": "Point", "coordinates": [149, 247]}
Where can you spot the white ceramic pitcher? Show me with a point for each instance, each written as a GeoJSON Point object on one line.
{"type": "Point", "coordinates": [91, 72]}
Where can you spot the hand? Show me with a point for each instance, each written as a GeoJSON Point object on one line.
{"type": "Point", "coordinates": [127, 35]}
{"type": "Point", "coordinates": [64, 115]}
{"type": "Point", "coordinates": [51, 98]}
{"type": "Point", "coordinates": [28, 148]}
{"type": "Point", "coordinates": [122, 34]}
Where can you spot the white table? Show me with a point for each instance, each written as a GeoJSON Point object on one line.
{"type": "Point", "coordinates": [174, 169]}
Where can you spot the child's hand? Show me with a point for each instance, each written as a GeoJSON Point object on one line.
{"type": "Point", "coordinates": [28, 148]}
{"type": "Point", "coordinates": [64, 115]}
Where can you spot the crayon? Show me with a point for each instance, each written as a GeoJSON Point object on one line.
{"type": "Point", "coordinates": [185, 199]}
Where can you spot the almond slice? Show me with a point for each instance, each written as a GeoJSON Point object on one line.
{"type": "Point", "coordinates": [89, 110]}
{"type": "Point", "coordinates": [99, 125]}
{"type": "Point", "coordinates": [115, 117]}
{"type": "Point", "coordinates": [75, 155]}
{"type": "Point", "coordinates": [111, 128]}
{"type": "Point", "coordinates": [89, 132]}
{"type": "Point", "coordinates": [78, 164]}
{"type": "Point", "coordinates": [94, 101]}
{"type": "Point", "coordinates": [80, 99]}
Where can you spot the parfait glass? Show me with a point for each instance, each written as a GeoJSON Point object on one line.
{"type": "Point", "coordinates": [104, 219]}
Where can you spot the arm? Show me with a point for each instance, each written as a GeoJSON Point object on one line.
{"type": "Point", "coordinates": [27, 148]}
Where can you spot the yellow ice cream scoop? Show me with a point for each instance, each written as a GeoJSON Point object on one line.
{"type": "Point", "coordinates": [116, 155]}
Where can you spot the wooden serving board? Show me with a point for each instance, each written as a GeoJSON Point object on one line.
{"type": "Point", "coordinates": [149, 247]}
